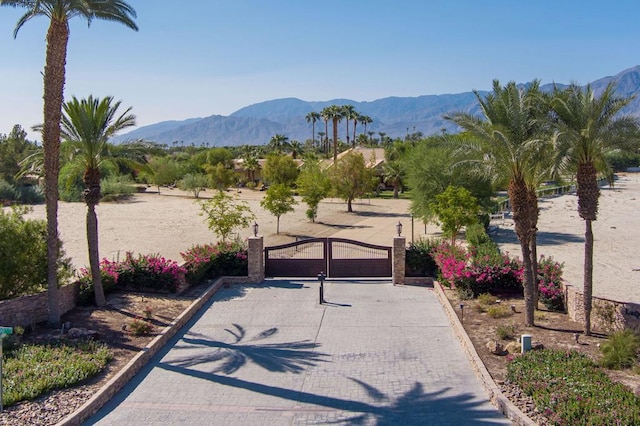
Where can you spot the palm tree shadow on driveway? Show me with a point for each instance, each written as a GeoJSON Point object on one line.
{"type": "Point", "coordinates": [290, 357]}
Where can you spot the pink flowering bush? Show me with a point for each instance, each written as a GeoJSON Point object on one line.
{"type": "Point", "coordinates": [474, 275]}
{"type": "Point", "coordinates": [212, 260]}
{"type": "Point", "coordinates": [550, 283]}
{"type": "Point", "coordinates": [149, 272]}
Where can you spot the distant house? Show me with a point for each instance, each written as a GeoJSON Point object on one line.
{"type": "Point", "coordinates": [373, 157]}
{"type": "Point", "coordinates": [239, 169]}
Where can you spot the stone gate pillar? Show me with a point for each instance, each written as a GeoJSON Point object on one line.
{"type": "Point", "coordinates": [399, 253]}
{"type": "Point", "coordinates": [256, 260]}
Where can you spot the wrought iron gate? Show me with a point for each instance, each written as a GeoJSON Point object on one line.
{"type": "Point", "coordinates": [336, 257]}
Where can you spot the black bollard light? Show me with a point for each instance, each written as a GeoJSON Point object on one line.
{"type": "Point", "coordinates": [321, 277]}
{"type": "Point", "coordinates": [462, 312]}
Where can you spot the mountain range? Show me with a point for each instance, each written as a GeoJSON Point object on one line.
{"type": "Point", "coordinates": [394, 116]}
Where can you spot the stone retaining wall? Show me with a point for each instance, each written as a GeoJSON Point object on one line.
{"type": "Point", "coordinates": [27, 311]}
{"type": "Point", "coordinates": [606, 315]}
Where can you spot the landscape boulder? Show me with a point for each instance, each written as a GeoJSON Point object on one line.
{"type": "Point", "coordinates": [495, 348]}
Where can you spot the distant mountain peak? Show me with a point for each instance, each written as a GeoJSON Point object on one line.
{"type": "Point", "coordinates": [394, 116]}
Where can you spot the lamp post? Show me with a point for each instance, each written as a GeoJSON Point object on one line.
{"type": "Point", "coordinates": [399, 228]}
{"type": "Point", "coordinates": [321, 277]}
{"type": "Point", "coordinates": [255, 228]}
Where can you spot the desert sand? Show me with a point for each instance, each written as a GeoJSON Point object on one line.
{"type": "Point", "coordinates": [616, 263]}
{"type": "Point", "coordinates": [170, 222]}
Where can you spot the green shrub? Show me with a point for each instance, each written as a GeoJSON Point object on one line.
{"type": "Point", "coordinates": [506, 332]}
{"type": "Point", "coordinates": [487, 299]}
{"type": "Point", "coordinates": [7, 192]}
{"type": "Point", "coordinates": [30, 194]}
{"type": "Point", "coordinates": [33, 370]}
{"type": "Point", "coordinates": [116, 188]}
{"type": "Point", "coordinates": [620, 350]}
{"type": "Point", "coordinates": [569, 389]}
{"type": "Point", "coordinates": [70, 185]}
{"type": "Point", "coordinates": [23, 250]}
{"type": "Point", "coordinates": [499, 311]}
{"type": "Point", "coordinates": [419, 261]}
{"type": "Point", "coordinates": [139, 327]}
{"type": "Point", "coordinates": [480, 244]}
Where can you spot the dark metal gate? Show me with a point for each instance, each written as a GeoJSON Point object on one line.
{"type": "Point", "coordinates": [336, 257]}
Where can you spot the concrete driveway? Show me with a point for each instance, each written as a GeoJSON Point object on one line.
{"type": "Point", "coordinates": [269, 354]}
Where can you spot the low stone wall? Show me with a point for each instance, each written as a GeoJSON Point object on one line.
{"type": "Point", "coordinates": [26, 311]}
{"type": "Point", "coordinates": [606, 315]}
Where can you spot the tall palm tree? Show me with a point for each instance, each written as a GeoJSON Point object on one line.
{"type": "Point", "coordinates": [348, 112]}
{"type": "Point", "coordinates": [507, 146]}
{"type": "Point", "coordinates": [325, 117]}
{"type": "Point", "coordinates": [278, 142]}
{"type": "Point", "coordinates": [296, 148]}
{"type": "Point", "coordinates": [590, 127]}
{"type": "Point", "coordinates": [365, 120]}
{"type": "Point", "coordinates": [370, 133]}
{"type": "Point", "coordinates": [322, 144]}
{"type": "Point", "coordinates": [334, 113]}
{"type": "Point", "coordinates": [355, 117]}
{"type": "Point", "coordinates": [312, 117]}
{"type": "Point", "coordinates": [88, 124]}
{"type": "Point", "coordinates": [59, 12]}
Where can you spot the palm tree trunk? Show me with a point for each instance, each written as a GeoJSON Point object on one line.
{"type": "Point", "coordinates": [520, 204]}
{"type": "Point", "coordinates": [54, 78]}
{"type": "Point", "coordinates": [588, 276]}
{"type": "Point", "coordinates": [335, 140]}
{"type": "Point", "coordinates": [94, 256]}
{"type": "Point", "coordinates": [588, 194]}
{"type": "Point", "coordinates": [355, 122]}
{"type": "Point", "coordinates": [91, 195]}
{"type": "Point", "coordinates": [533, 243]}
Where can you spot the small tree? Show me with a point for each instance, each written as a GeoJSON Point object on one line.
{"type": "Point", "coordinates": [350, 178]}
{"type": "Point", "coordinates": [220, 176]}
{"type": "Point", "coordinates": [163, 171]}
{"type": "Point", "coordinates": [278, 200]}
{"type": "Point", "coordinates": [280, 169]}
{"type": "Point", "coordinates": [455, 208]}
{"type": "Point", "coordinates": [224, 214]}
{"type": "Point", "coordinates": [313, 184]}
{"type": "Point", "coordinates": [194, 183]}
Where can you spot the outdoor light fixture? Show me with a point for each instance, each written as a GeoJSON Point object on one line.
{"type": "Point", "coordinates": [255, 228]}
{"type": "Point", "coordinates": [462, 312]}
{"type": "Point", "coordinates": [399, 228]}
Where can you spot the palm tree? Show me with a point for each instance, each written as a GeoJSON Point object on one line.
{"type": "Point", "coordinates": [59, 13]}
{"type": "Point", "coordinates": [325, 117]}
{"type": "Point", "coordinates": [348, 112]}
{"type": "Point", "coordinates": [507, 146]}
{"type": "Point", "coordinates": [296, 148]}
{"type": "Point", "coordinates": [88, 124]}
{"type": "Point", "coordinates": [312, 117]}
{"type": "Point", "coordinates": [590, 127]}
{"type": "Point", "coordinates": [278, 143]}
{"type": "Point", "coordinates": [334, 113]}
{"type": "Point", "coordinates": [382, 135]}
{"type": "Point", "coordinates": [355, 117]}
{"type": "Point", "coordinates": [370, 133]}
{"type": "Point", "coordinates": [365, 120]}
{"type": "Point", "coordinates": [322, 146]}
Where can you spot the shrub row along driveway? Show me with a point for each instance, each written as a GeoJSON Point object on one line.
{"type": "Point", "coordinates": [270, 354]}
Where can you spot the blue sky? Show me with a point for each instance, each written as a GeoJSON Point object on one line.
{"type": "Point", "coordinates": [205, 57]}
